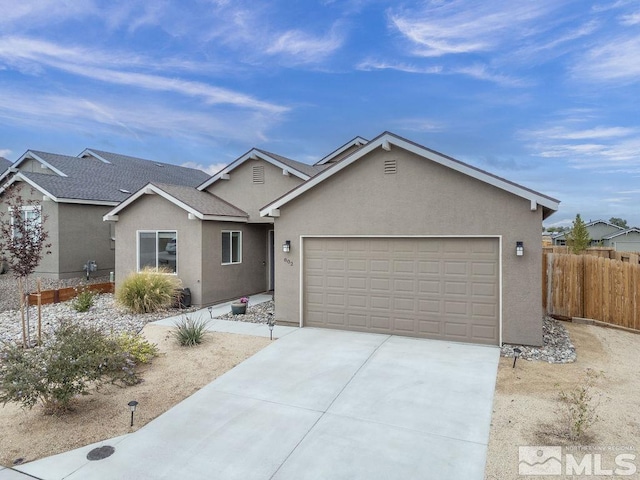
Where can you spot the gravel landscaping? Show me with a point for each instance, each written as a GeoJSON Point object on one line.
{"type": "Point", "coordinates": [255, 314]}
{"type": "Point", "coordinates": [556, 348]}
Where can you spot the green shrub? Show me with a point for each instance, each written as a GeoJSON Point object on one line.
{"type": "Point", "coordinates": [140, 349]}
{"type": "Point", "coordinates": [84, 300]}
{"type": "Point", "coordinates": [69, 364]}
{"type": "Point", "coordinates": [578, 408]}
{"type": "Point", "coordinates": [148, 291]}
{"type": "Point", "coordinates": [190, 332]}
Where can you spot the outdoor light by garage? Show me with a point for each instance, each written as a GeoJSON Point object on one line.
{"type": "Point", "coordinates": [519, 249]}
{"type": "Point", "coordinates": [286, 246]}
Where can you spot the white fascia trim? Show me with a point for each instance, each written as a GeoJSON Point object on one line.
{"type": "Point", "coordinates": [30, 155]}
{"type": "Point", "coordinates": [500, 283]}
{"type": "Point", "coordinates": [88, 151]}
{"type": "Point", "coordinates": [102, 203]}
{"type": "Point", "coordinates": [223, 218]}
{"type": "Point", "coordinates": [353, 143]}
{"type": "Point", "coordinates": [388, 140]}
{"type": "Point", "coordinates": [18, 177]}
{"type": "Point", "coordinates": [624, 232]}
{"type": "Point", "coordinates": [251, 155]}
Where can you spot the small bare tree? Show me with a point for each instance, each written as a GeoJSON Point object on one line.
{"type": "Point", "coordinates": [23, 241]}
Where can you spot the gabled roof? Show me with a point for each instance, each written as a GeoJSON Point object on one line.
{"type": "Point", "coordinates": [299, 169]}
{"type": "Point", "coordinates": [97, 177]}
{"type": "Point", "coordinates": [356, 142]}
{"type": "Point", "coordinates": [388, 140]}
{"type": "Point", "coordinates": [621, 232]}
{"type": "Point", "coordinates": [201, 205]}
{"type": "Point", "coordinates": [591, 224]}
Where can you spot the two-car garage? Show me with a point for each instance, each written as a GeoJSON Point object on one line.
{"type": "Point", "coordinates": [444, 288]}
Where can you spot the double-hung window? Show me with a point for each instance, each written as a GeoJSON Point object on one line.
{"type": "Point", "coordinates": [29, 221]}
{"type": "Point", "coordinates": [231, 247]}
{"type": "Point", "coordinates": [157, 249]}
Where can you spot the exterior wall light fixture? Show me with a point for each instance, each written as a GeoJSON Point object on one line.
{"type": "Point", "coordinates": [286, 246]}
{"type": "Point", "coordinates": [519, 249]}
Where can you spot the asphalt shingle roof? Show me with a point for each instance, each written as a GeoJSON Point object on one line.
{"type": "Point", "coordinates": [203, 202]}
{"type": "Point", "coordinates": [90, 179]}
{"type": "Point", "coordinates": [307, 169]}
{"type": "Point", "coordinates": [4, 164]}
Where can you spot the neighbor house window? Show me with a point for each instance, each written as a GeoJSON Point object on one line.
{"type": "Point", "coordinates": [30, 218]}
{"type": "Point", "coordinates": [231, 247]}
{"type": "Point", "coordinates": [157, 249]}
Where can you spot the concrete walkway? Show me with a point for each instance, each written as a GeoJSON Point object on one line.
{"type": "Point", "coordinates": [316, 404]}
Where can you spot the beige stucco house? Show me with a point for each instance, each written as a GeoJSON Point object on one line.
{"type": "Point", "coordinates": [381, 236]}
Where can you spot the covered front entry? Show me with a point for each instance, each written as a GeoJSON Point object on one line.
{"type": "Point", "coordinates": [443, 288]}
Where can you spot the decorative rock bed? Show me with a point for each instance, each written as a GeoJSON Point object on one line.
{"type": "Point", "coordinates": [556, 348]}
{"type": "Point", "coordinates": [255, 314]}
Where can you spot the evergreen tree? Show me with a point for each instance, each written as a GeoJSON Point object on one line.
{"type": "Point", "coordinates": [578, 236]}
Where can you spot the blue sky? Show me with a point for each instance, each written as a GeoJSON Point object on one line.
{"type": "Point", "coordinates": [544, 93]}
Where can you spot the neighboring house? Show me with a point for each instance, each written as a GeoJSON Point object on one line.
{"type": "Point", "coordinates": [380, 236]}
{"type": "Point", "coordinates": [75, 193]}
{"type": "Point", "coordinates": [627, 240]}
{"type": "Point", "coordinates": [598, 230]}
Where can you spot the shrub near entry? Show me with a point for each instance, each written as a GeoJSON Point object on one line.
{"type": "Point", "coordinates": [148, 291]}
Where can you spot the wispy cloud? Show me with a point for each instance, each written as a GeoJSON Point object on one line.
{"type": "Point", "coordinates": [34, 55]}
{"type": "Point", "coordinates": [613, 60]}
{"type": "Point", "coordinates": [304, 47]}
{"type": "Point", "coordinates": [5, 152]}
{"type": "Point", "coordinates": [370, 65]}
{"type": "Point", "coordinates": [461, 26]}
{"type": "Point", "coordinates": [130, 117]}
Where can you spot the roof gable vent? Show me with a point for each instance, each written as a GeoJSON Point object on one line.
{"type": "Point", "coordinates": [258, 174]}
{"type": "Point", "coordinates": [390, 166]}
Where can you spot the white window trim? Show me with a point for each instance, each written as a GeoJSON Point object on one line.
{"type": "Point", "coordinates": [138, 232]}
{"type": "Point", "coordinates": [24, 208]}
{"type": "Point", "coordinates": [231, 232]}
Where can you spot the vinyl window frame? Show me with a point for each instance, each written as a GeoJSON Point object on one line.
{"type": "Point", "coordinates": [157, 249]}
{"type": "Point", "coordinates": [230, 257]}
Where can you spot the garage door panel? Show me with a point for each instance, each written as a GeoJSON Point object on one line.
{"type": "Point", "coordinates": [442, 288]}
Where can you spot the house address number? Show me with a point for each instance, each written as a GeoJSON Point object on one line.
{"type": "Point", "coordinates": [289, 262]}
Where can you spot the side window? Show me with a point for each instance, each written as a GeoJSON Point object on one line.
{"type": "Point", "coordinates": [231, 247]}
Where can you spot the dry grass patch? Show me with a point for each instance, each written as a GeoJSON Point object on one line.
{"type": "Point", "coordinates": [174, 375]}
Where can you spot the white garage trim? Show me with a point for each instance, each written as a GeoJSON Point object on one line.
{"type": "Point", "coordinates": [302, 239]}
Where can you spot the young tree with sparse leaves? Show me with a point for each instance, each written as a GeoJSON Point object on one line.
{"type": "Point", "coordinates": [23, 241]}
{"type": "Point", "coordinates": [578, 238]}
{"type": "Point", "coordinates": [619, 222]}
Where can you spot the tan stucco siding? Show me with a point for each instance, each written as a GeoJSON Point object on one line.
{"type": "Point", "coordinates": [250, 197]}
{"type": "Point", "coordinates": [151, 212]}
{"type": "Point", "coordinates": [224, 282]}
{"type": "Point", "coordinates": [422, 198]}
{"type": "Point", "coordinates": [83, 236]}
{"type": "Point", "coordinates": [30, 165]}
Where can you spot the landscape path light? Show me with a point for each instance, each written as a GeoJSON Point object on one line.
{"type": "Point", "coordinates": [271, 322]}
{"type": "Point", "coordinates": [517, 353]}
{"type": "Point", "coordinates": [210, 312]}
{"type": "Point", "coordinates": [132, 406]}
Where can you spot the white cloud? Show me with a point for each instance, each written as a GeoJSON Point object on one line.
{"type": "Point", "coordinates": [211, 168]}
{"type": "Point", "coordinates": [370, 64]}
{"type": "Point", "coordinates": [5, 152]}
{"type": "Point", "coordinates": [305, 47]}
{"type": "Point", "coordinates": [35, 54]}
{"type": "Point", "coordinates": [462, 26]}
{"type": "Point", "coordinates": [612, 60]}
{"type": "Point", "coordinates": [630, 19]}
{"type": "Point", "coordinates": [131, 117]}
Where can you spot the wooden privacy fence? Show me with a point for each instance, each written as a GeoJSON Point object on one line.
{"type": "Point", "coordinates": [591, 287]}
{"type": "Point", "coordinates": [604, 252]}
{"type": "Point", "coordinates": [64, 294]}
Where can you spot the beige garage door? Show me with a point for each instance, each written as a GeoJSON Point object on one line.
{"type": "Point", "coordinates": [441, 288]}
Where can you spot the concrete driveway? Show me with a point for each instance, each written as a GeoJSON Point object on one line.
{"type": "Point", "coordinates": [319, 404]}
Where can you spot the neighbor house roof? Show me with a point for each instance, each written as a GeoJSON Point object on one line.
{"type": "Point", "coordinates": [591, 224]}
{"type": "Point", "coordinates": [299, 169]}
{"type": "Point", "coordinates": [388, 140]}
{"type": "Point", "coordinates": [621, 232]}
{"type": "Point", "coordinates": [197, 204]}
{"type": "Point", "coordinates": [97, 177]}
{"type": "Point", "coordinates": [4, 164]}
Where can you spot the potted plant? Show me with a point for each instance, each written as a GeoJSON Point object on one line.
{"type": "Point", "coordinates": [240, 307]}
